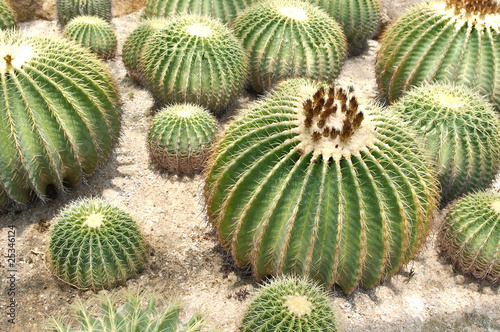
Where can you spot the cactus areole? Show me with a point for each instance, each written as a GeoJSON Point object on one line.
{"type": "Point", "coordinates": [312, 182]}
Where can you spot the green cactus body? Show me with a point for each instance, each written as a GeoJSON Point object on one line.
{"type": "Point", "coordinates": [7, 18]}
{"type": "Point", "coordinates": [461, 133]}
{"type": "Point", "coordinates": [135, 42]}
{"type": "Point", "coordinates": [358, 18]}
{"type": "Point", "coordinates": [59, 115]}
{"type": "Point", "coordinates": [313, 183]}
{"type": "Point", "coordinates": [289, 304]}
{"type": "Point", "coordinates": [93, 33]}
{"type": "Point", "coordinates": [69, 9]}
{"type": "Point", "coordinates": [225, 10]}
{"type": "Point", "coordinates": [96, 245]}
{"type": "Point", "coordinates": [194, 60]}
{"type": "Point", "coordinates": [132, 316]}
{"type": "Point", "coordinates": [471, 234]}
{"type": "Point", "coordinates": [287, 39]}
{"type": "Point", "coordinates": [454, 42]}
{"type": "Point", "coordinates": [180, 138]}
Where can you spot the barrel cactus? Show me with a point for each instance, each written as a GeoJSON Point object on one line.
{"type": "Point", "coordinates": [225, 10]}
{"type": "Point", "coordinates": [289, 304]}
{"type": "Point", "coordinates": [180, 138]}
{"type": "Point", "coordinates": [131, 316]}
{"type": "Point", "coordinates": [69, 9]}
{"type": "Point", "coordinates": [471, 234]}
{"type": "Point", "coordinates": [290, 38]}
{"type": "Point", "coordinates": [315, 183]}
{"type": "Point", "coordinates": [96, 245]}
{"type": "Point", "coordinates": [59, 116]}
{"type": "Point", "coordinates": [7, 18]}
{"type": "Point", "coordinates": [93, 33]}
{"type": "Point", "coordinates": [453, 41]}
{"type": "Point", "coordinates": [358, 18]}
{"type": "Point", "coordinates": [135, 42]}
{"type": "Point", "coordinates": [461, 133]}
{"type": "Point", "coordinates": [195, 60]}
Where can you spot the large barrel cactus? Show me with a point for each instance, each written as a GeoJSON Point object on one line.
{"type": "Point", "coordinates": [96, 245]}
{"type": "Point", "coordinates": [471, 234]}
{"type": "Point", "coordinates": [195, 60]}
{"type": "Point", "coordinates": [461, 133]}
{"type": "Point", "coordinates": [453, 41]}
{"type": "Point", "coordinates": [7, 18]}
{"type": "Point", "coordinates": [69, 9]}
{"type": "Point", "coordinates": [290, 38]}
{"type": "Point", "coordinates": [59, 115]}
{"type": "Point", "coordinates": [359, 20]}
{"type": "Point", "coordinates": [93, 33]}
{"type": "Point", "coordinates": [314, 183]}
{"type": "Point", "coordinates": [225, 10]}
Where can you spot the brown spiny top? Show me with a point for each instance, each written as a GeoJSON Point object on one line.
{"type": "Point", "coordinates": [478, 7]}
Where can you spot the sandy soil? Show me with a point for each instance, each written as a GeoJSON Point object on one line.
{"type": "Point", "coordinates": [186, 260]}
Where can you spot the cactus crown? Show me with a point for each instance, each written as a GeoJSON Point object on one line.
{"type": "Point", "coordinates": [13, 55]}
{"type": "Point", "coordinates": [331, 124]}
{"type": "Point", "coordinates": [478, 7]}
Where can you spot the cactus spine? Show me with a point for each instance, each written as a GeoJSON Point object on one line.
{"type": "Point", "coordinates": [59, 119]}
{"type": "Point", "coordinates": [461, 133]}
{"type": "Point", "coordinates": [359, 20]}
{"type": "Point", "coordinates": [225, 10]}
{"type": "Point", "coordinates": [289, 304]}
{"type": "Point", "coordinates": [93, 33]}
{"type": "Point", "coordinates": [180, 138]}
{"type": "Point", "coordinates": [7, 18]}
{"type": "Point", "coordinates": [453, 41]}
{"type": "Point", "coordinates": [135, 42]}
{"type": "Point", "coordinates": [471, 234]}
{"type": "Point", "coordinates": [194, 60]}
{"type": "Point", "coordinates": [96, 245]}
{"type": "Point", "coordinates": [314, 183]}
{"type": "Point", "coordinates": [69, 9]}
{"type": "Point", "coordinates": [296, 40]}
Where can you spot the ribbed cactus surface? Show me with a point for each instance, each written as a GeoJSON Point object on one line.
{"type": "Point", "coordinates": [289, 304]}
{"type": "Point", "coordinates": [452, 41]}
{"type": "Point", "coordinates": [59, 115]}
{"type": "Point", "coordinates": [135, 42]}
{"type": "Point", "coordinates": [96, 245]}
{"type": "Point", "coordinates": [131, 316]}
{"type": "Point", "coordinates": [93, 33]}
{"type": "Point", "coordinates": [194, 60]}
{"type": "Point", "coordinates": [7, 18]}
{"type": "Point", "coordinates": [471, 234]}
{"type": "Point", "coordinates": [461, 133]}
{"type": "Point", "coordinates": [359, 20]}
{"type": "Point", "coordinates": [315, 183]}
{"type": "Point", "coordinates": [180, 138]}
{"type": "Point", "coordinates": [69, 9]}
{"type": "Point", "coordinates": [290, 38]}
{"type": "Point", "coordinates": [225, 10]}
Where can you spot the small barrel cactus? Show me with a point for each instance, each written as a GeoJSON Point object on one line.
{"type": "Point", "coordinates": [225, 10]}
{"type": "Point", "coordinates": [315, 183]}
{"type": "Point", "coordinates": [69, 9]}
{"type": "Point", "coordinates": [7, 18]}
{"type": "Point", "coordinates": [452, 41]}
{"type": "Point", "coordinates": [93, 33]}
{"type": "Point", "coordinates": [96, 245]}
{"type": "Point", "coordinates": [461, 133]}
{"type": "Point", "coordinates": [132, 316]}
{"type": "Point", "coordinates": [471, 234]}
{"type": "Point", "coordinates": [59, 115]}
{"type": "Point", "coordinates": [358, 18]}
{"type": "Point", "coordinates": [195, 60]}
{"type": "Point", "coordinates": [135, 42]}
{"type": "Point", "coordinates": [289, 304]}
{"type": "Point", "coordinates": [290, 38]}
{"type": "Point", "coordinates": [180, 138]}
